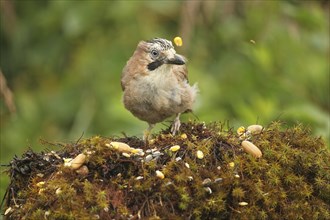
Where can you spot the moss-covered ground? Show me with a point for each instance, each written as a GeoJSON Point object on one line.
{"type": "Point", "coordinates": [290, 181]}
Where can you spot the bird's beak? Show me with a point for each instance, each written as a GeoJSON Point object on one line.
{"type": "Point", "coordinates": [177, 60]}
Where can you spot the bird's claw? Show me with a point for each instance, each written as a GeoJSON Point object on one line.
{"type": "Point", "coordinates": [175, 126]}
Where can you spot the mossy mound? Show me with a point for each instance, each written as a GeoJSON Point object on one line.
{"type": "Point", "coordinates": [290, 181]}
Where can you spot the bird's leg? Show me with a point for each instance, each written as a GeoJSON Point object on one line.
{"type": "Point", "coordinates": [147, 132]}
{"type": "Point", "coordinates": [176, 124]}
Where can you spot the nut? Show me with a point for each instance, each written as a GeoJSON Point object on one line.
{"type": "Point", "coordinates": [175, 148]}
{"type": "Point", "coordinates": [78, 161]}
{"type": "Point", "coordinates": [255, 129]}
{"type": "Point", "coordinates": [252, 149]}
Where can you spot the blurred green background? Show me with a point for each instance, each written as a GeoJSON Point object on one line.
{"type": "Point", "coordinates": [254, 61]}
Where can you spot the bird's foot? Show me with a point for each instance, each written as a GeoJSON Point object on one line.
{"type": "Point", "coordinates": [146, 134]}
{"type": "Point", "coordinates": [176, 125]}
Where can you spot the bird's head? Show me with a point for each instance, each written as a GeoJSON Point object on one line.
{"type": "Point", "coordinates": [158, 52]}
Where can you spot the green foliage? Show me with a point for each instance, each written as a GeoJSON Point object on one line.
{"type": "Point", "coordinates": [63, 60]}
{"type": "Point", "coordinates": [227, 183]}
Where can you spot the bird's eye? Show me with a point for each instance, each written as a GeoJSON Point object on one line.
{"type": "Point", "coordinates": [154, 53]}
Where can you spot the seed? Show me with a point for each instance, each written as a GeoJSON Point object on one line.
{"type": "Point", "coordinates": [178, 41]}
{"type": "Point", "coordinates": [78, 161]}
{"type": "Point", "coordinates": [208, 189]}
{"type": "Point", "coordinates": [126, 155]}
{"type": "Point", "coordinates": [243, 203]}
{"type": "Point", "coordinates": [252, 149]}
{"type": "Point", "coordinates": [200, 154]}
{"type": "Point", "coordinates": [190, 178]}
{"type": "Point", "coordinates": [156, 154]}
{"type": "Point", "coordinates": [121, 147]}
{"type": "Point", "coordinates": [83, 170]}
{"type": "Point", "coordinates": [178, 159]}
{"type": "Point", "coordinates": [236, 176]}
{"type": "Point", "coordinates": [241, 130]}
{"type": "Point", "coordinates": [137, 151]}
{"type": "Point", "coordinates": [175, 148]}
{"type": "Point", "coordinates": [41, 191]}
{"type": "Point", "coordinates": [40, 184]}
{"type": "Point", "coordinates": [159, 174]}
{"type": "Point", "coordinates": [148, 158]}
{"type": "Point", "coordinates": [67, 162]}
{"type": "Point", "coordinates": [218, 180]}
{"type": "Point", "coordinates": [183, 136]}
{"type": "Point", "coordinates": [255, 129]}
{"type": "Point", "coordinates": [58, 191]}
{"type": "Point", "coordinates": [206, 182]}
{"type": "Point", "coordinates": [40, 175]}
{"type": "Point", "coordinates": [9, 210]}
{"type": "Point", "coordinates": [232, 164]}
{"type": "Point", "coordinates": [187, 165]}
{"type": "Point", "coordinates": [139, 178]}
{"type": "Point", "coordinates": [168, 183]}
{"type": "Point", "coordinates": [152, 141]}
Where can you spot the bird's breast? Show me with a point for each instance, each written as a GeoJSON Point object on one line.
{"type": "Point", "coordinates": [157, 95]}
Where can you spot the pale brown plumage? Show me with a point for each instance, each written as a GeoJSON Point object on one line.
{"type": "Point", "coordinates": [155, 84]}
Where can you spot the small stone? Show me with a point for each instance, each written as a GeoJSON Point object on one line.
{"type": "Point", "coordinates": [175, 148]}
{"type": "Point", "coordinates": [160, 174]}
{"type": "Point", "coordinates": [200, 154]}
{"type": "Point", "coordinates": [219, 167]}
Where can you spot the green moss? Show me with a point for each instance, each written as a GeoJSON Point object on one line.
{"type": "Point", "coordinates": [290, 181]}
